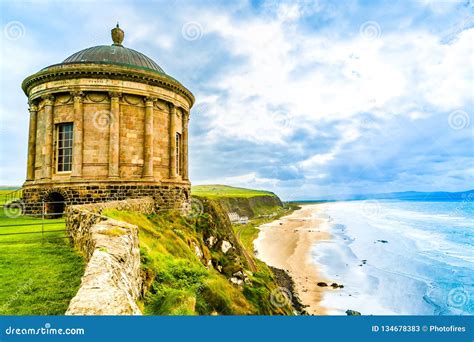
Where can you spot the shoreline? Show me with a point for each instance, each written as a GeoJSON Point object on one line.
{"type": "Point", "coordinates": [286, 244]}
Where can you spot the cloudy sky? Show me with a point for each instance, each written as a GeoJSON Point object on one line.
{"type": "Point", "coordinates": [304, 98]}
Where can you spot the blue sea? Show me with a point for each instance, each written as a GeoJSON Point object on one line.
{"type": "Point", "coordinates": [399, 257]}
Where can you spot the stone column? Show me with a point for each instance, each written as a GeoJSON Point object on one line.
{"type": "Point", "coordinates": [78, 135]}
{"type": "Point", "coordinates": [114, 135]}
{"type": "Point", "coordinates": [30, 174]}
{"type": "Point", "coordinates": [172, 138]}
{"type": "Point", "coordinates": [48, 137]}
{"type": "Point", "coordinates": [148, 139]}
{"type": "Point", "coordinates": [184, 148]}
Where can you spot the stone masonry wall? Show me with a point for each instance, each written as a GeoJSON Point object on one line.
{"type": "Point", "coordinates": [112, 281]}
{"type": "Point", "coordinates": [165, 196]}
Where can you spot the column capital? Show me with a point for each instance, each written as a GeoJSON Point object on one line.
{"type": "Point", "coordinates": [48, 100]}
{"type": "Point", "coordinates": [115, 94]}
{"type": "Point", "coordinates": [149, 101]}
{"type": "Point", "coordinates": [171, 106]}
{"type": "Point", "coordinates": [78, 95]}
{"type": "Point", "coordinates": [33, 107]}
{"type": "Point", "coordinates": [186, 115]}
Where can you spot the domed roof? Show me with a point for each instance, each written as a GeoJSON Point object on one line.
{"type": "Point", "coordinates": [112, 62]}
{"type": "Point", "coordinates": [114, 54]}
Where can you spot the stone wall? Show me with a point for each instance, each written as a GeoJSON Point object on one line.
{"type": "Point", "coordinates": [165, 196]}
{"type": "Point", "coordinates": [112, 281]}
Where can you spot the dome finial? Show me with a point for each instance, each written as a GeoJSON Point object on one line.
{"type": "Point", "coordinates": [117, 35]}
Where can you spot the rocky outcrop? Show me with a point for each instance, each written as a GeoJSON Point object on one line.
{"type": "Point", "coordinates": [352, 313]}
{"type": "Point", "coordinates": [112, 280]}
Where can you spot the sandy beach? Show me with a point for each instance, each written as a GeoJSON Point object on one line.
{"type": "Point", "coordinates": [286, 243]}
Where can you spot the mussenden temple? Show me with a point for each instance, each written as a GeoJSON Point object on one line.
{"type": "Point", "coordinates": [106, 124]}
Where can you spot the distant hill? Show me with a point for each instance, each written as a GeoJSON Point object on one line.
{"type": "Point", "coordinates": [10, 187]}
{"type": "Point", "coordinates": [406, 196]}
{"type": "Point", "coordinates": [219, 191]}
{"type": "Point", "coordinates": [245, 202]}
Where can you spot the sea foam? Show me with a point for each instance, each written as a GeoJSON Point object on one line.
{"type": "Point", "coordinates": [399, 257]}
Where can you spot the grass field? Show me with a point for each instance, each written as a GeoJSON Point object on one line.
{"type": "Point", "coordinates": [218, 191]}
{"type": "Point", "coordinates": [39, 273]}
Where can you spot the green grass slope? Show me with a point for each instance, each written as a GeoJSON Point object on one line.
{"type": "Point", "coordinates": [37, 276]}
{"type": "Point", "coordinates": [179, 282]}
{"type": "Point", "coordinates": [216, 191]}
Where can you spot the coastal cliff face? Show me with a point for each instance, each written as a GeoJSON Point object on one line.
{"type": "Point", "coordinates": [169, 263]}
{"type": "Point", "coordinates": [244, 202]}
{"type": "Point", "coordinates": [196, 264]}
{"type": "Point", "coordinates": [251, 206]}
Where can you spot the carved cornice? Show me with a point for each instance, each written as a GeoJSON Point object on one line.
{"type": "Point", "coordinates": [71, 71]}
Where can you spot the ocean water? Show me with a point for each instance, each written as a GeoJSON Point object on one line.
{"type": "Point", "coordinates": [399, 257]}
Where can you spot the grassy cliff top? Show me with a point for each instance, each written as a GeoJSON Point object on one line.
{"type": "Point", "coordinates": [219, 191]}
{"type": "Point", "coordinates": [185, 274]}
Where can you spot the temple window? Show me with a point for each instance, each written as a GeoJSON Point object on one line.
{"type": "Point", "coordinates": [64, 147]}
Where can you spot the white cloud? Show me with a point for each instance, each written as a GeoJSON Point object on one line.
{"type": "Point", "coordinates": [310, 91]}
{"type": "Point", "coordinates": [317, 77]}
{"type": "Point", "coordinates": [317, 159]}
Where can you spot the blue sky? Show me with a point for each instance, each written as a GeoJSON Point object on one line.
{"type": "Point", "coordinates": [304, 98]}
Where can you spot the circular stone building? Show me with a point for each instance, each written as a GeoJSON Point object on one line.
{"type": "Point", "coordinates": [106, 124]}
